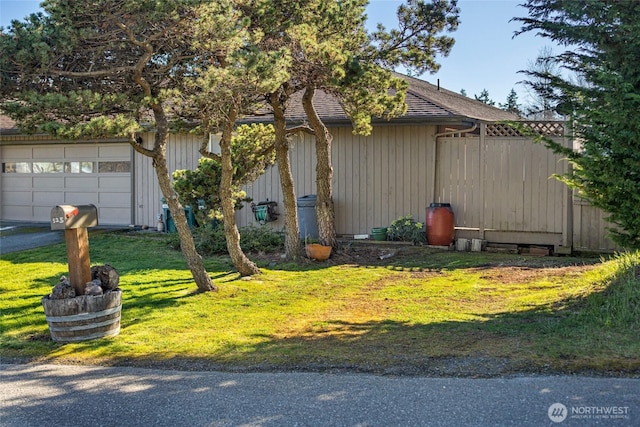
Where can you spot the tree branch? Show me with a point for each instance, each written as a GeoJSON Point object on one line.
{"type": "Point", "coordinates": [300, 129]}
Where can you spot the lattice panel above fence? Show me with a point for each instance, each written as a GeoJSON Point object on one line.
{"type": "Point", "coordinates": [536, 128]}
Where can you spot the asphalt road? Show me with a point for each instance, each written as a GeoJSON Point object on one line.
{"type": "Point", "coordinates": [54, 395]}
{"type": "Point", "coordinates": [13, 238]}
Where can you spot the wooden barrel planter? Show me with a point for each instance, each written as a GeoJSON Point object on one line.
{"type": "Point", "coordinates": [85, 317]}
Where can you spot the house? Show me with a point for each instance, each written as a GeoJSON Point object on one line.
{"type": "Point", "coordinates": [447, 148]}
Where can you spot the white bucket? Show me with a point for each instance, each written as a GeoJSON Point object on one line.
{"type": "Point", "coordinates": [476, 245]}
{"type": "Point", "coordinates": [462, 245]}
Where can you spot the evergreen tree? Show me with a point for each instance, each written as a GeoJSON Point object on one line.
{"type": "Point", "coordinates": [603, 103]}
{"type": "Point", "coordinates": [484, 97]}
{"type": "Point", "coordinates": [512, 105]}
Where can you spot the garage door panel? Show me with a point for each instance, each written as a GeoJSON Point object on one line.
{"type": "Point", "coordinates": [48, 152]}
{"type": "Point", "coordinates": [52, 198]}
{"type": "Point", "coordinates": [114, 152]}
{"type": "Point", "coordinates": [43, 213]}
{"type": "Point", "coordinates": [55, 182]}
{"type": "Point", "coordinates": [16, 198]}
{"type": "Point", "coordinates": [115, 183]}
{"type": "Point", "coordinates": [14, 182]}
{"type": "Point", "coordinates": [81, 152]}
{"type": "Point", "coordinates": [87, 182]}
{"type": "Point", "coordinates": [115, 199]}
{"type": "Point", "coordinates": [76, 198]}
{"type": "Point", "coordinates": [17, 213]}
{"type": "Point", "coordinates": [10, 153]}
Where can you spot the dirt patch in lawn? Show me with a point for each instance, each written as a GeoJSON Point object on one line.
{"type": "Point", "coordinates": [512, 275]}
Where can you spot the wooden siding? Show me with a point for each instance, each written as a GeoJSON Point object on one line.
{"type": "Point", "coordinates": [376, 178]}
{"type": "Point", "coordinates": [500, 188]}
{"type": "Point", "coordinates": [182, 153]}
{"type": "Point", "coordinates": [590, 229]}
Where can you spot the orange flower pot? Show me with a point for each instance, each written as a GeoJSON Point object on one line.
{"type": "Point", "coordinates": [318, 252]}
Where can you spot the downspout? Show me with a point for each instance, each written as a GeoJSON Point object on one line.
{"type": "Point", "coordinates": [132, 185]}
{"type": "Point", "coordinates": [435, 153]}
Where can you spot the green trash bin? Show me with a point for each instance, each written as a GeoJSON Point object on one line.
{"type": "Point", "coordinates": [169, 224]}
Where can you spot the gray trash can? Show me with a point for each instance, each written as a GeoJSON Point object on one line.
{"type": "Point", "coordinates": [307, 217]}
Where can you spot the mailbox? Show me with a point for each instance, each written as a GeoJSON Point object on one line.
{"type": "Point", "coordinates": [64, 217]}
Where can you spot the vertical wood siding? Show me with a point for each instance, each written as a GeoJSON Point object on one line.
{"type": "Point", "coordinates": [589, 228]}
{"type": "Point", "coordinates": [182, 153]}
{"type": "Point", "coordinates": [503, 184]}
{"type": "Point", "coordinates": [376, 178]}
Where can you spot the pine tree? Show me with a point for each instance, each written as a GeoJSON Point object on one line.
{"type": "Point", "coordinates": [512, 105]}
{"type": "Point", "coordinates": [484, 97]}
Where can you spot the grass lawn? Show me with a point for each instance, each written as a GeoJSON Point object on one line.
{"type": "Point", "coordinates": [419, 312]}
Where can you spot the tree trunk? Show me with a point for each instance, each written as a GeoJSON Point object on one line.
{"type": "Point", "coordinates": [159, 156]}
{"type": "Point", "coordinates": [243, 264]}
{"type": "Point", "coordinates": [194, 260]}
{"type": "Point", "coordinates": [324, 173]}
{"type": "Point", "coordinates": [292, 246]}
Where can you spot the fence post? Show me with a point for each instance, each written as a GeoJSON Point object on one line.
{"type": "Point", "coordinates": [567, 232]}
{"type": "Point", "coordinates": [483, 184]}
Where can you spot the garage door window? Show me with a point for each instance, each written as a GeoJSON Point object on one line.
{"type": "Point", "coordinates": [48, 167]}
{"type": "Point", "coordinates": [114, 167]}
{"type": "Point", "coordinates": [79, 167]}
{"type": "Point", "coordinates": [16, 167]}
{"type": "Point", "coordinates": [66, 167]}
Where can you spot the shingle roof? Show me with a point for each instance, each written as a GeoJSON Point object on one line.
{"type": "Point", "coordinates": [455, 103]}
{"type": "Point", "coordinates": [425, 103]}
{"type": "Point", "coordinates": [6, 124]}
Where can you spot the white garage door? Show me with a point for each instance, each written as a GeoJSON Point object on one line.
{"type": "Point", "coordinates": [36, 178]}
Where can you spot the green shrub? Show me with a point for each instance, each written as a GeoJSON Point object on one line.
{"type": "Point", "coordinates": [210, 239]}
{"type": "Point", "coordinates": [405, 229]}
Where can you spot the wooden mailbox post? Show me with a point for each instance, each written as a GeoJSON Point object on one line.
{"type": "Point", "coordinates": [75, 220]}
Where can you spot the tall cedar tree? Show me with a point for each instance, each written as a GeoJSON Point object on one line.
{"type": "Point", "coordinates": [232, 84]}
{"type": "Point", "coordinates": [108, 68]}
{"type": "Point", "coordinates": [275, 21]}
{"type": "Point", "coordinates": [604, 107]}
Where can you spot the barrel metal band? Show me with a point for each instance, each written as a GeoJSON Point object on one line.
{"type": "Point", "coordinates": [83, 327]}
{"type": "Point", "coordinates": [105, 334]}
{"type": "Point", "coordinates": [84, 316]}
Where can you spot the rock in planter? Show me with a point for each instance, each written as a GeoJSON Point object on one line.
{"type": "Point", "coordinates": [93, 288]}
{"type": "Point", "coordinates": [108, 276]}
{"type": "Point", "coordinates": [63, 289]}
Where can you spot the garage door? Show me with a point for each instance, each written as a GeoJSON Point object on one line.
{"type": "Point", "coordinates": [36, 178]}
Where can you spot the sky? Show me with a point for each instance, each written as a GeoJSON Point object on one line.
{"type": "Point", "coordinates": [485, 54]}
